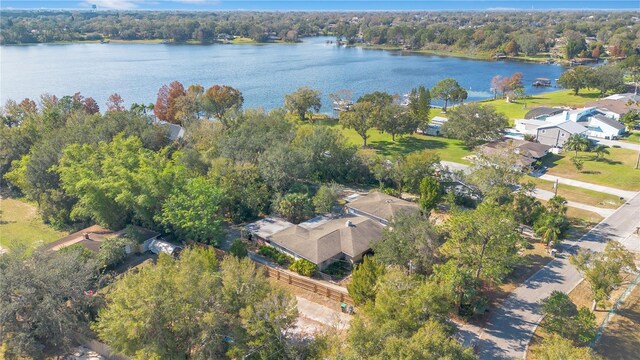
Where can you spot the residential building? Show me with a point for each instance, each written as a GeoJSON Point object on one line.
{"type": "Point", "coordinates": [555, 135]}
{"type": "Point", "coordinates": [380, 207]}
{"type": "Point", "coordinates": [600, 123]}
{"type": "Point", "coordinates": [262, 230]}
{"type": "Point", "coordinates": [542, 113]}
{"type": "Point", "coordinates": [527, 152]}
{"type": "Point", "coordinates": [324, 242]}
{"type": "Point", "coordinates": [435, 126]}
{"type": "Point", "coordinates": [618, 104]}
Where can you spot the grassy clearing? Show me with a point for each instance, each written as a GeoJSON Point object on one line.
{"type": "Point", "coordinates": [243, 40]}
{"type": "Point", "coordinates": [21, 225]}
{"type": "Point", "coordinates": [621, 338]}
{"type": "Point", "coordinates": [448, 149]}
{"type": "Point", "coordinates": [517, 109]}
{"type": "Point", "coordinates": [580, 195]}
{"type": "Point", "coordinates": [615, 170]}
{"type": "Point", "coordinates": [634, 137]}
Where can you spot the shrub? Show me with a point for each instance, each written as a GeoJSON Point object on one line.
{"type": "Point", "coordinates": [304, 267]}
{"type": "Point", "coordinates": [275, 255]}
{"type": "Point", "coordinates": [238, 249]}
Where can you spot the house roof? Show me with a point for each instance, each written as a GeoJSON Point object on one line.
{"type": "Point", "coordinates": [268, 226]}
{"type": "Point", "coordinates": [93, 236]}
{"type": "Point", "coordinates": [568, 126]}
{"type": "Point", "coordinates": [175, 131]}
{"type": "Point", "coordinates": [382, 206]}
{"type": "Point", "coordinates": [609, 121]}
{"type": "Point", "coordinates": [542, 111]}
{"type": "Point", "coordinates": [533, 149]}
{"type": "Point", "coordinates": [527, 151]}
{"type": "Point", "coordinates": [350, 235]}
{"type": "Point", "coordinates": [618, 106]}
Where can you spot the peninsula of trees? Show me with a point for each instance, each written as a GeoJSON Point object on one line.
{"type": "Point", "coordinates": [569, 35]}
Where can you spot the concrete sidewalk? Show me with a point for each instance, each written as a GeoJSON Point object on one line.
{"type": "Point", "coordinates": [546, 195]}
{"type": "Point", "coordinates": [626, 194]}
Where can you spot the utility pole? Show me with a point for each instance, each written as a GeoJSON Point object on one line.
{"type": "Point", "coordinates": [555, 188]}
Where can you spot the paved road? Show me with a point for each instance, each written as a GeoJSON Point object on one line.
{"type": "Point", "coordinates": [511, 326]}
{"type": "Point", "coordinates": [604, 189]}
{"type": "Point", "coordinates": [622, 144]}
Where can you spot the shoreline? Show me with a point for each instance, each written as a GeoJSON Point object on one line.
{"type": "Point", "coordinates": [483, 56]}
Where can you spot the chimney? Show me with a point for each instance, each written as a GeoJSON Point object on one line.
{"type": "Point", "coordinates": [349, 223]}
{"type": "Point", "coordinates": [86, 235]}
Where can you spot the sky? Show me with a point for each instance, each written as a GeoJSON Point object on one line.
{"type": "Point", "coordinates": [324, 5]}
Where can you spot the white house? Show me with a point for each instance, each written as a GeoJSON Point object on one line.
{"type": "Point", "coordinates": [600, 123]}
{"type": "Point", "coordinates": [435, 126]}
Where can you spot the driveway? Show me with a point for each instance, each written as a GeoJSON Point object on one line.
{"type": "Point", "coordinates": [511, 326]}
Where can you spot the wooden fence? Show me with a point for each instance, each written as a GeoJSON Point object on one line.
{"type": "Point", "coordinates": [308, 284]}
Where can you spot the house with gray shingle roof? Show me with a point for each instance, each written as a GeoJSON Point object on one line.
{"type": "Point", "coordinates": [330, 240]}
{"type": "Point", "coordinates": [380, 207]}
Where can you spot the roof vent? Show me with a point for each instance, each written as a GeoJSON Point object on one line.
{"type": "Point", "coordinates": [349, 223]}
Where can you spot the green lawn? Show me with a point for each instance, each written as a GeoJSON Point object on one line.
{"type": "Point", "coordinates": [634, 137]}
{"type": "Point", "coordinates": [580, 195]}
{"type": "Point", "coordinates": [243, 40]}
{"type": "Point", "coordinates": [21, 224]}
{"type": "Point", "coordinates": [615, 170]}
{"type": "Point", "coordinates": [448, 149]}
{"type": "Point", "coordinates": [516, 110]}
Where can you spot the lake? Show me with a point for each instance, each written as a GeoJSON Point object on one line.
{"type": "Point", "coordinates": [264, 73]}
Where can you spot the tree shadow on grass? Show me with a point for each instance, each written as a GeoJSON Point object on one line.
{"type": "Point", "coordinates": [551, 160]}
{"type": "Point", "coordinates": [608, 161]}
{"type": "Point", "coordinates": [407, 145]}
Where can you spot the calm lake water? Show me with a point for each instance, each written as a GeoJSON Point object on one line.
{"type": "Point", "coordinates": [264, 73]}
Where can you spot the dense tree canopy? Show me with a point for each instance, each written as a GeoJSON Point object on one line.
{"type": "Point", "coordinates": [43, 305]}
{"type": "Point", "coordinates": [199, 310]}
{"type": "Point", "coordinates": [474, 124]}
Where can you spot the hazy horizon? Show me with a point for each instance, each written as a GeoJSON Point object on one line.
{"type": "Point", "coordinates": [358, 5]}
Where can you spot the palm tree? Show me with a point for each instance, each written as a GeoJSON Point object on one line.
{"type": "Point", "coordinates": [601, 151]}
{"type": "Point", "coordinates": [577, 143]}
{"type": "Point", "coordinates": [550, 228]}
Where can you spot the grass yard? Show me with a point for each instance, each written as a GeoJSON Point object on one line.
{"type": "Point", "coordinates": [243, 40]}
{"type": "Point", "coordinates": [634, 137]}
{"type": "Point", "coordinates": [21, 224]}
{"type": "Point", "coordinates": [516, 110]}
{"type": "Point", "coordinates": [579, 195]}
{"type": "Point", "coordinates": [621, 338]}
{"type": "Point", "coordinates": [448, 149]}
{"type": "Point", "coordinates": [615, 170]}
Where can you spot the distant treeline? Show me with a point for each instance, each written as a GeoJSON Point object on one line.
{"type": "Point", "coordinates": [567, 34]}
